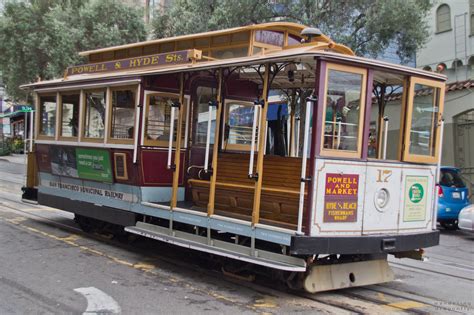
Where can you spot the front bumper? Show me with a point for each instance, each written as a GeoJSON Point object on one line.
{"type": "Point", "coordinates": [366, 244]}
{"type": "Point", "coordinates": [450, 211]}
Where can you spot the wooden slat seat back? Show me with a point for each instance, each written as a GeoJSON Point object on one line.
{"type": "Point", "coordinates": [234, 190]}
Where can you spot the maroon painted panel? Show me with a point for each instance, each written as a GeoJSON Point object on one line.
{"type": "Point", "coordinates": [241, 90]}
{"type": "Point", "coordinates": [153, 168]}
{"type": "Point", "coordinates": [132, 169]}
{"type": "Point", "coordinates": [42, 158]}
{"type": "Point", "coordinates": [166, 83]}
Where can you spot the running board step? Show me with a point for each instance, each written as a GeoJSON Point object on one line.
{"type": "Point", "coordinates": [217, 247]}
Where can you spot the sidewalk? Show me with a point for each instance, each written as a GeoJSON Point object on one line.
{"type": "Point", "coordinates": [14, 158]}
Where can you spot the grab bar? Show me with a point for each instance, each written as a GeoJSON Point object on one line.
{"type": "Point", "coordinates": [258, 105]}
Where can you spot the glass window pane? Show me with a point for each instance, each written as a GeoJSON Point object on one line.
{"type": "Point", "coordinates": [341, 128]}
{"type": "Point", "coordinates": [239, 124]}
{"type": "Point", "coordinates": [159, 118]}
{"type": "Point", "coordinates": [230, 52]}
{"type": "Point", "coordinates": [70, 115]}
{"type": "Point", "coordinates": [94, 118]}
{"type": "Point", "coordinates": [123, 114]}
{"type": "Point", "coordinates": [293, 40]}
{"type": "Point", "coordinates": [48, 115]}
{"type": "Point", "coordinates": [424, 124]}
{"type": "Point", "coordinates": [270, 37]}
{"type": "Point", "coordinates": [204, 96]}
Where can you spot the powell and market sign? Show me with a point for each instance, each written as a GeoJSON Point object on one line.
{"type": "Point", "coordinates": [158, 60]}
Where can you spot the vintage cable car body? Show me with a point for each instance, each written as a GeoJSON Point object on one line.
{"type": "Point", "coordinates": [256, 143]}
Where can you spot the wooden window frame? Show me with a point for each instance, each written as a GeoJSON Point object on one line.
{"type": "Point", "coordinates": [83, 137]}
{"type": "Point", "coordinates": [345, 153]}
{"type": "Point", "coordinates": [416, 158]}
{"type": "Point", "coordinates": [39, 112]}
{"type": "Point", "coordinates": [124, 156]}
{"type": "Point", "coordinates": [133, 88]}
{"type": "Point", "coordinates": [164, 143]}
{"type": "Point", "coordinates": [236, 147]}
{"type": "Point", "coordinates": [60, 115]}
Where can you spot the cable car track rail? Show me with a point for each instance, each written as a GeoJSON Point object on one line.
{"type": "Point", "coordinates": [264, 288]}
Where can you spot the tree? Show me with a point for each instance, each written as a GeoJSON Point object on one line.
{"type": "Point", "coordinates": [40, 38]}
{"type": "Point", "coordinates": [366, 26]}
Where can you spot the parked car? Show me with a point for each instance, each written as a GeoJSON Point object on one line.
{"type": "Point", "coordinates": [466, 218]}
{"type": "Point", "coordinates": [453, 196]}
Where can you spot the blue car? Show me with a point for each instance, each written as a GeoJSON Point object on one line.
{"type": "Point", "coordinates": [452, 197]}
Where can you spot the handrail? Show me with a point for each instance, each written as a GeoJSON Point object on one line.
{"type": "Point", "coordinates": [177, 155]}
{"type": "Point", "coordinates": [208, 139]}
{"type": "Point", "coordinates": [438, 173]}
{"type": "Point", "coordinates": [252, 140]}
{"type": "Point", "coordinates": [384, 155]}
{"type": "Point", "coordinates": [31, 130]}
{"type": "Point", "coordinates": [137, 123]}
{"type": "Point", "coordinates": [261, 147]}
{"type": "Point", "coordinates": [215, 149]}
{"type": "Point", "coordinates": [303, 166]}
{"type": "Point", "coordinates": [170, 145]}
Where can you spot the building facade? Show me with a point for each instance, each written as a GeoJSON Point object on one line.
{"type": "Point", "coordinates": [450, 50]}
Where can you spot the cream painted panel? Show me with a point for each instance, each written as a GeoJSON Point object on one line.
{"type": "Point", "coordinates": [340, 204]}
{"type": "Point", "coordinates": [417, 198]}
{"type": "Point", "coordinates": [382, 219]}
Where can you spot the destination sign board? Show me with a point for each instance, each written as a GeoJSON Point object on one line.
{"type": "Point", "coordinates": [157, 60]}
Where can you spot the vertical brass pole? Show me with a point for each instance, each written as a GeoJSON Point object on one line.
{"type": "Point", "coordinates": [215, 148]}
{"type": "Point", "coordinates": [262, 127]}
{"type": "Point", "coordinates": [177, 151]}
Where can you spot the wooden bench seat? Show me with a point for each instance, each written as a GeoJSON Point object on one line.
{"type": "Point", "coordinates": [235, 191]}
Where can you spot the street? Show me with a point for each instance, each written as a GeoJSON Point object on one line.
{"type": "Point", "coordinates": [48, 265]}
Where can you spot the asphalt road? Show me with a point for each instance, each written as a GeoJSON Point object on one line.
{"type": "Point", "coordinates": [47, 265]}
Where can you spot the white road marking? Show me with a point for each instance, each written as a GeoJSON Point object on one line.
{"type": "Point", "coordinates": [98, 302]}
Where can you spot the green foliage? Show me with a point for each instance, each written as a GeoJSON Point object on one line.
{"type": "Point", "coordinates": [366, 26]}
{"type": "Point", "coordinates": [40, 38]}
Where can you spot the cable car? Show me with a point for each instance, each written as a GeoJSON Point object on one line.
{"type": "Point", "coordinates": [267, 145]}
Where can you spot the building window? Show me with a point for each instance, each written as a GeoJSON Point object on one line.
{"type": "Point", "coordinates": [472, 23]}
{"type": "Point", "coordinates": [94, 117]}
{"type": "Point", "coordinates": [123, 113]}
{"type": "Point", "coordinates": [443, 18]}
{"type": "Point", "coordinates": [471, 14]}
{"type": "Point", "coordinates": [47, 125]}
{"type": "Point", "coordinates": [69, 115]}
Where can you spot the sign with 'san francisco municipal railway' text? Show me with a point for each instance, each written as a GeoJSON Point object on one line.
{"type": "Point", "coordinates": [92, 191]}
{"type": "Point", "coordinates": [158, 60]}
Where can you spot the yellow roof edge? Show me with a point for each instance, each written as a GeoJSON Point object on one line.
{"type": "Point", "coordinates": [289, 25]}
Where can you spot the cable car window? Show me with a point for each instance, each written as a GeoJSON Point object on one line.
{"type": "Point", "coordinates": [425, 102]}
{"type": "Point", "coordinates": [70, 115]}
{"type": "Point", "coordinates": [94, 117]}
{"type": "Point", "coordinates": [204, 96]}
{"type": "Point", "coordinates": [48, 115]}
{"type": "Point", "coordinates": [123, 113]}
{"type": "Point", "coordinates": [273, 38]}
{"type": "Point", "coordinates": [293, 40]}
{"type": "Point", "coordinates": [158, 119]}
{"type": "Point", "coordinates": [344, 110]}
{"type": "Point", "coordinates": [238, 125]}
